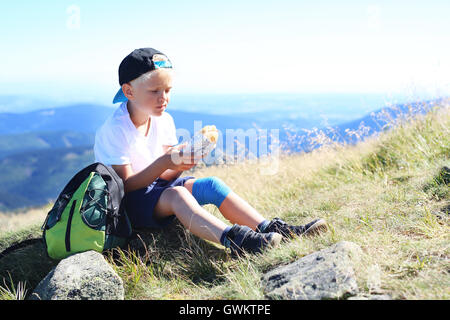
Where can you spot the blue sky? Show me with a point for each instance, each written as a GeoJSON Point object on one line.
{"type": "Point", "coordinates": [70, 50]}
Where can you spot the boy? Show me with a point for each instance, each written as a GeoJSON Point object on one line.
{"type": "Point", "coordinates": [138, 142]}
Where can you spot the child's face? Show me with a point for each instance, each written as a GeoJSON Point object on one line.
{"type": "Point", "coordinates": [152, 95]}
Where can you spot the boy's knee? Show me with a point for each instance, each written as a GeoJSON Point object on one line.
{"type": "Point", "coordinates": [168, 197]}
{"type": "Point", "coordinates": [210, 190]}
{"type": "Point", "coordinates": [177, 191]}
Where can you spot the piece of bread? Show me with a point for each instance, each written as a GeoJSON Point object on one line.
{"type": "Point", "coordinates": [211, 133]}
{"type": "Point", "coordinates": [203, 141]}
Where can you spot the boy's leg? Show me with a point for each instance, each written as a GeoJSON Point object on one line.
{"type": "Point", "coordinates": [235, 209]}
{"type": "Point", "coordinates": [238, 211]}
{"type": "Point", "coordinates": [177, 200]}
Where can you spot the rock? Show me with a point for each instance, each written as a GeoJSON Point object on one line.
{"type": "Point", "coordinates": [82, 276]}
{"type": "Point", "coordinates": [374, 279]}
{"type": "Point", "coordinates": [325, 274]}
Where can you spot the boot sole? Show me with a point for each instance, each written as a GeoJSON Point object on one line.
{"type": "Point", "coordinates": [318, 227]}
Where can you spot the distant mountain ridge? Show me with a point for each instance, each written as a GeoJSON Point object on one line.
{"type": "Point", "coordinates": [36, 165]}
{"type": "Point", "coordinates": [42, 140]}
{"type": "Point", "coordinates": [87, 118]}
{"type": "Point", "coordinates": [34, 178]}
{"type": "Point", "coordinates": [79, 117]}
{"type": "Point", "coordinates": [366, 126]}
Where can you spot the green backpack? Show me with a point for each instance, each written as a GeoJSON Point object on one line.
{"type": "Point", "coordinates": [88, 214]}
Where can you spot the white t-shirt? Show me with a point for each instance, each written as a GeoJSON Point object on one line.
{"type": "Point", "coordinates": [118, 141]}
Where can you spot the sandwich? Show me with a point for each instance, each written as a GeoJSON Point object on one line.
{"type": "Point", "coordinates": [203, 141]}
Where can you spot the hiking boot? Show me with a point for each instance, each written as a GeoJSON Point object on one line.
{"type": "Point", "coordinates": [243, 239]}
{"type": "Point", "coordinates": [288, 231]}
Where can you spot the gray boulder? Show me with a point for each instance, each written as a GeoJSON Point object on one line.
{"type": "Point", "coordinates": [82, 276]}
{"type": "Point", "coordinates": [325, 274]}
{"type": "Point", "coordinates": [371, 297]}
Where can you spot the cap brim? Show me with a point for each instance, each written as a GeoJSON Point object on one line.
{"type": "Point", "coordinates": [119, 97]}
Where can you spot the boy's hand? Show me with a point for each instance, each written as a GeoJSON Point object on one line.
{"type": "Point", "coordinates": [179, 160]}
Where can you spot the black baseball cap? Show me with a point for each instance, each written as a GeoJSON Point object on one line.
{"type": "Point", "coordinates": [137, 63]}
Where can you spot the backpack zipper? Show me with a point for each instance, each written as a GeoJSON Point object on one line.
{"type": "Point", "coordinates": [59, 205]}
{"type": "Point", "coordinates": [69, 223]}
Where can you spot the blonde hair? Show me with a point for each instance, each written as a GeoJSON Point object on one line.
{"type": "Point", "coordinates": [148, 75]}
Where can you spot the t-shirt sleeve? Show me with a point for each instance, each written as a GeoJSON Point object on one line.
{"type": "Point", "coordinates": [169, 132]}
{"type": "Point", "coordinates": [111, 146]}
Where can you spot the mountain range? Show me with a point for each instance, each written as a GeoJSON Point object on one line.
{"type": "Point", "coordinates": [42, 149]}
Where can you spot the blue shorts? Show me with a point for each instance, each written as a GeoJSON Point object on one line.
{"type": "Point", "coordinates": [140, 203]}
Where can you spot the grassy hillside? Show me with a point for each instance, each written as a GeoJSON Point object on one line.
{"type": "Point", "coordinates": [387, 194]}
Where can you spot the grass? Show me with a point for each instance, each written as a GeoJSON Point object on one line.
{"type": "Point", "coordinates": [387, 194]}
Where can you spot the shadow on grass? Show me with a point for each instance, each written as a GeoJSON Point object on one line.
{"type": "Point", "coordinates": [28, 264]}
{"type": "Point", "coordinates": [192, 257]}
{"type": "Point", "coordinates": [188, 255]}
{"type": "Point", "coordinates": [438, 186]}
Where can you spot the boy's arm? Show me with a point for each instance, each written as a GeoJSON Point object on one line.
{"type": "Point", "coordinates": [162, 165]}
{"type": "Point", "coordinates": [169, 174]}
{"type": "Point", "coordinates": [143, 178]}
